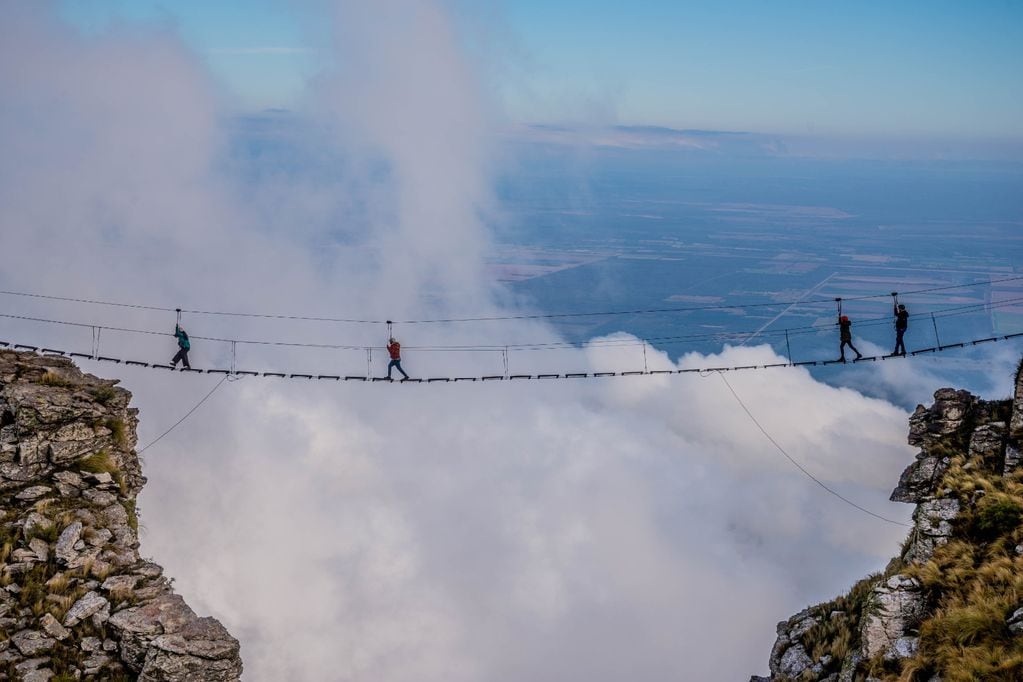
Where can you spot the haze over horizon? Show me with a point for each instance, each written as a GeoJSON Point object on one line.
{"type": "Point", "coordinates": [923, 70]}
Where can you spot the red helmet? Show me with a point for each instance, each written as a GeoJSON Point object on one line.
{"type": "Point", "coordinates": [844, 318]}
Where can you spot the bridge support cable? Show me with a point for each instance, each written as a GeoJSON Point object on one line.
{"type": "Point", "coordinates": [800, 466]}
{"type": "Point", "coordinates": [187, 415]}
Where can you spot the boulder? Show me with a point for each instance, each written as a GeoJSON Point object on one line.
{"type": "Point", "coordinates": [920, 478]}
{"type": "Point", "coordinates": [794, 661]}
{"type": "Point", "coordinates": [33, 493]}
{"type": "Point", "coordinates": [32, 642]}
{"type": "Point", "coordinates": [68, 478]}
{"type": "Point", "coordinates": [895, 610]}
{"type": "Point", "coordinates": [100, 498]}
{"type": "Point", "coordinates": [65, 551]}
{"type": "Point", "coordinates": [89, 604]}
{"type": "Point", "coordinates": [100, 537]}
{"type": "Point", "coordinates": [120, 583]}
{"type": "Point", "coordinates": [53, 628]}
{"type": "Point", "coordinates": [29, 671]}
{"type": "Point", "coordinates": [91, 644]}
{"type": "Point", "coordinates": [40, 548]}
{"type": "Point", "coordinates": [933, 527]}
{"type": "Point", "coordinates": [947, 416]}
{"type": "Point", "coordinates": [903, 648]}
{"type": "Point", "coordinates": [987, 441]}
{"type": "Point", "coordinates": [1015, 622]}
{"type": "Point", "coordinates": [164, 640]}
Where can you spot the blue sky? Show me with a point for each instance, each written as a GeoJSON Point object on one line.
{"type": "Point", "coordinates": [838, 68]}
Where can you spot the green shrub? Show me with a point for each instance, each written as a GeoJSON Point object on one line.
{"type": "Point", "coordinates": [98, 463]}
{"type": "Point", "coordinates": [117, 430]}
{"type": "Point", "coordinates": [996, 515]}
{"type": "Point", "coordinates": [103, 394]}
{"type": "Point", "coordinates": [51, 378]}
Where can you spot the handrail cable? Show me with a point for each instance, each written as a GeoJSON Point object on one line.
{"type": "Point", "coordinates": [808, 329]}
{"type": "Point", "coordinates": [493, 318]}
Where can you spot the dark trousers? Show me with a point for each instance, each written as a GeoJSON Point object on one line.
{"type": "Point", "coordinates": [395, 363]}
{"type": "Point", "coordinates": [847, 342]}
{"type": "Point", "coordinates": [900, 347]}
{"type": "Point", "coordinates": [182, 355]}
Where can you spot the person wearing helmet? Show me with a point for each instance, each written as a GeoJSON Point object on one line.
{"type": "Point", "coordinates": [901, 325]}
{"type": "Point", "coordinates": [183, 347]}
{"type": "Point", "coordinates": [394, 350]}
{"type": "Point", "coordinates": [845, 335]}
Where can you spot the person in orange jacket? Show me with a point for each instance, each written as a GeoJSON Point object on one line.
{"type": "Point", "coordinates": [394, 350]}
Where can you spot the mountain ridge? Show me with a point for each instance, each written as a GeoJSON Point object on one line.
{"type": "Point", "coordinates": [949, 607]}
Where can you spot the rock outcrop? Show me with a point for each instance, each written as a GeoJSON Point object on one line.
{"type": "Point", "coordinates": [951, 595]}
{"type": "Point", "coordinates": [76, 600]}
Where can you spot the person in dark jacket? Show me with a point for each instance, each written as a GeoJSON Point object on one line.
{"type": "Point", "coordinates": [183, 347]}
{"type": "Point", "coordinates": [394, 350]}
{"type": "Point", "coordinates": [845, 334]}
{"type": "Point", "coordinates": [901, 325]}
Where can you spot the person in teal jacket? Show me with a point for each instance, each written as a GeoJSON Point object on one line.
{"type": "Point", "coordinates": [183, 347]}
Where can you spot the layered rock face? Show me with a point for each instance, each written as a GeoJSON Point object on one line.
{"type": "Point", "coordinates": [967, 483]}
{"type": "Point", "coordinates": [76, 600]}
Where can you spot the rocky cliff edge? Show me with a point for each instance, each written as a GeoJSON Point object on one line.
{"type": "Point", "coordinates": [949, 608]}
{"type": "Point", "coordinates": [76, 600]}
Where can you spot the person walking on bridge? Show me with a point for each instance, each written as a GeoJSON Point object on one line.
{"type": "Point", "coordinates": [394, 350]}
{"type": "Point", "coordinates": [901, 325]}
{"type": "Point", "coordinates": [845, 335]}
{"type": "Point", "coordinates": [183, 347]}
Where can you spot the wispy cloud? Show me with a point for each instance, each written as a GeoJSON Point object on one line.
{"type": "Point", "coordinates": [262, 49]}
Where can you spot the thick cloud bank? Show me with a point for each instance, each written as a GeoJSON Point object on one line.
{"type": "Point", "coordinates": [633, 527]}
{"type": "Point", "coordinates": [637, 528]}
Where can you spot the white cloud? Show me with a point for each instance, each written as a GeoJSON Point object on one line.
{"type": "Point", "coordinates": [629, 527]}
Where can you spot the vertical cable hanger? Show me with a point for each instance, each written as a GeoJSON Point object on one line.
{"type": "Point", "coordinates": [96, 333]}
